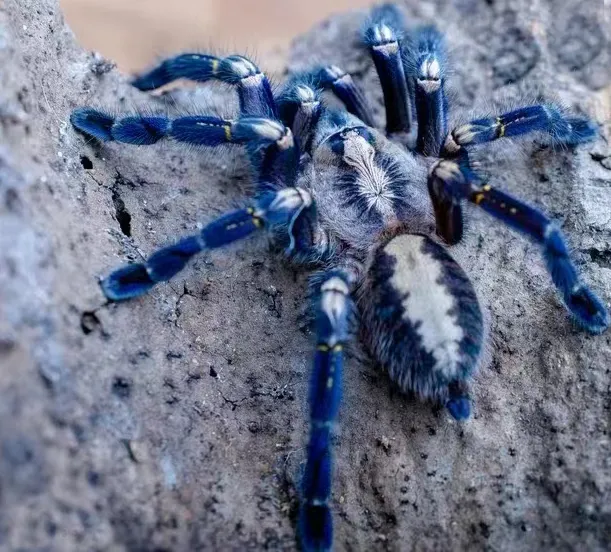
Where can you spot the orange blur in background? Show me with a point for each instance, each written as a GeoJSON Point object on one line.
{"type": "Point", "coordinates": [136, 32]}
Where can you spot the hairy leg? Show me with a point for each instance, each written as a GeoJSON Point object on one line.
{"type": "Point", "coordinates": [383, 36]}
{"type": "Point", "coordinates": [453, 181]}
{"type": "Point", "coordinates": [428, 64]}
{"type": "Point", "coordinates": [254, 90]}
{"type": "Point", "coordinates": [343, 86]}
{"type": "Point", "coordinates": [271, 211]}
{"type": "Point", "coordinates": [546, 118]}
{"type": "Point", "coordinates": [300, 107]}
{"type": "Point", "coordinates": [333, 307]}
{"type": "Point", "coordinates": [271, 144]}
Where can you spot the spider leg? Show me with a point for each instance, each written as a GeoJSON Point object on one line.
{"type": "Point", "coordinates": [254, 90]}
{"type": "Point", "coordinates": [384, 36]}
{"type": "Point", "coordinates": [546, 118]}
{"type": "Point", "coordinates": [333, 308]}
{"type": "Point", "coordinates": [300, 107]}
{"type": "Point", "coordinates": [343, 86]}
{"type": "Point", "coordinates": [427, 67]}
{"type": "Point", "coordinates": [271, 211]}
{"type": "Point", "coordinates": [270, 143]}
{"type": "Point", "coordinates": [454, 181]}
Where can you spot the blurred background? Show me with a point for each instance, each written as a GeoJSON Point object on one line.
{"type": "Point", "coordinates": [134, 32]}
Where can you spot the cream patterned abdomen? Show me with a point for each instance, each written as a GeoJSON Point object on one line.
{"type": "Point", "coordinates": [422, 316]}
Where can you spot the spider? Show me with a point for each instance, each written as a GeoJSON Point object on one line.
{"type": "Point", "coordinates": [370, 211]}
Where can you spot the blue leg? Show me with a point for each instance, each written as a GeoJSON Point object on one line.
{"type": "Point", "coordinates": [344, 87]}
{"type": "Point", "coordinates": [254, 90]}
{"type": "Point", "coordinates": [445, 184]}
{"type": "Point", "coordinates": [270, 143]}
{"type": "Point", "coordinates": [316, 526]}
{"type": "Point", "coordinates": [200, 130]}
{"type": "Point", "coordinates": [272, 211]}
{"type": "Point", "coordinates": [300, 108]}
{"type": "Point", "coordinates": [460, 182]}
{"type": "Point", "coordinates": [383, 37]}
{"type": "Point", "coordinates": [428, 72]}
{"type": "Point", "coordinates": [548, 119]}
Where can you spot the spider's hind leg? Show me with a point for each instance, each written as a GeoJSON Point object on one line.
{"type": "Point", "coordinates": [384, 35]}
{"type": "Point", "coordinates": [254, 90]}
{"type": "Point", "coordinates": [333, 308]}
{"type": "Point", "coordinates": [454, 180]}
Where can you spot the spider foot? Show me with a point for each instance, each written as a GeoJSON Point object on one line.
{"type": "Point", "coordinates": [138, 130]}
{"type": "Point", "coordinates": [126, 283]}
{"type": "Point", "coordinates": [576, 131]}
{"type": "Point", "coordinates": [588, 310]}
{"type": "Point", "coordinates": [254, 90]}
{"type": "Point", "coordinates": [548, 119]}
{"type": "Point", "coordinates": [93, 123]}
{"type": "Point", "coordinates": [137, 279]}
{"type": "Point", "coordinates": [316, 528]}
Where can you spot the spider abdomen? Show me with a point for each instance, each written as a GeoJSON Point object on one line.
{"type": "Point", "coordinates": [421, 317]}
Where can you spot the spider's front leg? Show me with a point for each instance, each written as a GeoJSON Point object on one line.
{"type": "Point", "coordinates": [272, 211]}
{"type": "Point", "coordinates": [428, 72]}
{"type": "Point", "coordinates": [254, 90]}
{"type": "Point", "coordinates": [332, 318]}
{"type": "Point", "coordinates": [383, 36]}
{"type": "Point", "coordinates": [453, 181]}
{"type": "Point", "coordinates": [300, 107]}
{"type": "Point", "coordinates": [271, 144]}
{"type": "Point", "coordinates": [341, 83]}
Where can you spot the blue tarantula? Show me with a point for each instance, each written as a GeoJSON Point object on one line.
{"type": "Point", "coordinates": [364, 207]}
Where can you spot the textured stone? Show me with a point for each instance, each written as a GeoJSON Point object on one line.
{"type": "Point", "coordinates": [178, 421]}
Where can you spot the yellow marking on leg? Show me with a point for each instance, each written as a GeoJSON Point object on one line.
{"type": "Point", "coordinates": [228, 133]}
{"type": "Point", "coordinates": [326, 348]}
{"type": "Point", "coordinates": [215, 66]}
{"type": "Point", "coordinates": [501, 127]}
{"type": "Point", "coordinates": [256, 220]}
{"type": "Point", "coordinates": [481, 195]}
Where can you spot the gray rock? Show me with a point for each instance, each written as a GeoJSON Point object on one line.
{"type": "Point", "coordinates": [178, 421]}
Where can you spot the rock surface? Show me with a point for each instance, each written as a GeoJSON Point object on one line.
{"type": "Point", "coordinates": [178, 421]}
